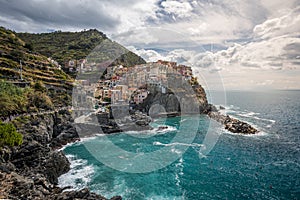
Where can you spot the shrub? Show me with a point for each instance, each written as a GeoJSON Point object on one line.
{"type": "Point", "coordinates": [12, 99]}
{"type": "Point", "coordinates": [39, 100]}
{"type": "Point", "coordinates": [29, 46]}
{"type": "Point", "coordinates": [39, 86]}
{"type": "Point", "coordinates": [9, 135]}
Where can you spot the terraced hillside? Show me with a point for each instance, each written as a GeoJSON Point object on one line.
{"type": "Point", "coordinates": [42, 84]}
{"type": "Point", "coordinates": [65, 46]}
{"type": "Point", "coordinates": [35, 67]}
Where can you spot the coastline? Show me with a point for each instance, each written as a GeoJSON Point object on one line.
{"type": "Point", "coordinates": [31, 170]}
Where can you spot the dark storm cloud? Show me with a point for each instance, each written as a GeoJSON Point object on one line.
{"type": "Point", "coordinates": [56, 14]}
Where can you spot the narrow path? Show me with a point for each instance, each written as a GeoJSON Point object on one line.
{"type": "Point", "coordinates": [12, 117]}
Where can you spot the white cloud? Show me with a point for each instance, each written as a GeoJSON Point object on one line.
{"type": "Point", "coordinates": [286, 24]}
{"type": "Point", "coordinates": [179, 9]}
{"type": "Point", "coordinates": [275, 8]}
{"type": "Point", "coordinates": [148, 55]}
{"type": "Point", "coordinates": [273, 53]}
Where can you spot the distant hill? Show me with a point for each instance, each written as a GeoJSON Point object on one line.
{"type": "Point", "coordinates": [65, 46]}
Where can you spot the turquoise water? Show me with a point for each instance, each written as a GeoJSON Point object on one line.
{"type": "Point", "coordinates": [264, 166]}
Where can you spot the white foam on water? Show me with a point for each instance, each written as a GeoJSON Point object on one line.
{"type": "Point", "coordinates": [174, 150]}
{"type": "Point", "coordinates": [183, 120]}
{"type": "Point", "coordinates": [168, 129]}
{"type": "Point", "coordinates": [82, 140]}
{"type": "Point", "coordinates": [259, 134]}
{"type": "Point", "coordinates": [160, 197]}
{"type": "Point", "coordinates": [149, 133]}
{"type": "Point", "coordinates": [79, 175]}
{"type": "Point", "coordinates": [101, 134]}
{"type": "Point", "coordinates": [179, 169]}
{"type": "Point", "coordinates": [178, 144]}
{"type": "Point", "coordinates": [252, 115]}
{"type": "Point", "coordinates": [85, 139]}
{"type": "Point", "coordinates": [67, 145]}
{"type": "Point", "coordinates": [247, 114]}
{"type": "Point", "coordinates": [242, 114]}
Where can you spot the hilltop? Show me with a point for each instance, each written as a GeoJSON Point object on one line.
{"type": "Point", "coordinates": [66, 46]}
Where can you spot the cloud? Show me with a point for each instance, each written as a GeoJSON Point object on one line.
{"type": "Point", "coordinates": [148, 55]}
{"type": "Point", "coordinates": [266, 61]}
{"type": "Point", "coordinates": [202, 21]}
{"type": "Point", "coordinates": [106, 15]}
{"type": "Point", "coordinates": [179, 9]}
{"type": "Point", "coordinates": [38, 15]}
{"type": "Point", "coordinates": [286, 24]}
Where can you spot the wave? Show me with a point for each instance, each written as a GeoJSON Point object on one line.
{"type": "Point", "coordinates": [177, 144]}
{"type": "Point", "coordinates": [67, 145]}
{"type": "Point", "coordinates": [79, 175]}
{"type": "Point", "coordinates": [242, 114]}
{"type": "Point", "coordinates": [154, 131]}
{"type": "Point", "coordinates": [236, 112]}
{"type": "Point", "coordinates": [183, 120]}
{"type": "Point", "coordinates": [252, 115]}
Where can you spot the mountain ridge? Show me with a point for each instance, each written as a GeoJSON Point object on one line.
{"type": "Point", "coordinates": [66, 46]}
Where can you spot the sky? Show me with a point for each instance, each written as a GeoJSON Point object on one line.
{"type": "Point", "coordinates": [231, 44]}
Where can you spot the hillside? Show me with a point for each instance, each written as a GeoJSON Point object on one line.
{"type": "Point", "coordinates": [35, 66]}
{"type": "Point", "coordinates": [65, 46]}
{"type": "Point", "coordinates": [47, 84]}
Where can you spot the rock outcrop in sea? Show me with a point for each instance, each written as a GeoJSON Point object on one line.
{"type": "Point", "coordinates": [231, 124]}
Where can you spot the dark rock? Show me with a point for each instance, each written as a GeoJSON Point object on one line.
{"type": "Point", "coordinates": [233, 125]}
{"type": "Point", "coordinates": [4, 168]}
{"type": "Point", "coordinates": [31, 170]}
{"type": "Point", "coordinates": [116, 198]}
{"type": "Point", "coordinates": [81, 194]}
{"type": "Point", "coordinates": [222, 108]}
{"type": "Point", "coordinates": [56, 165]}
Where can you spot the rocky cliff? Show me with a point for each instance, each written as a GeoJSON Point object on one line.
{"type": "Point", "coordinates": [179, 99]}
{"type": "Point", "coordinates": [31, 171]}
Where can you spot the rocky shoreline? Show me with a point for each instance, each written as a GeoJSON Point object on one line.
{"type": "Point", "coordinates": [31, 170]}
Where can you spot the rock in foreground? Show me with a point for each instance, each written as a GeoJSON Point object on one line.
{"type": "Point", "coordinates": [31, 171]}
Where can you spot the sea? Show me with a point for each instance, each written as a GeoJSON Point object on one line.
{"type": "Point", "coordinates": [192, 158]}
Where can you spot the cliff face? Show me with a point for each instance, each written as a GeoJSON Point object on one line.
{"type": "Point", "coordinates": [191, 100]}
{"type": "Point", "coordinates": [34, 158]}
{"type": "Point", "coordinates": [31, 170]}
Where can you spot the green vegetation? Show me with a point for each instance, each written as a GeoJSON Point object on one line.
{"type": "Point", "coordinates": [48, 85]}
{"type": "Point", "coordinates": [35, 66]}
{"type": "Point", "coordinates": [65, 46]}
{"type": "Point", "coordinates": [9, 135]}
{"type": "Point", "coordinates": [15, 100]}
{"type": "Point", "coordinates": [12, 99]}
